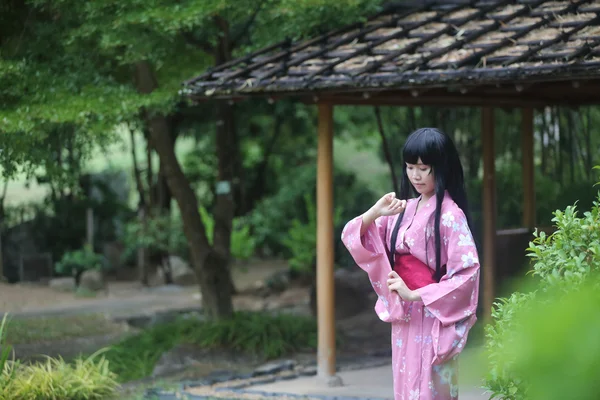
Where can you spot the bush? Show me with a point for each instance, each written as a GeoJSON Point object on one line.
{"type": "Point", "coordinates": [243, 245]}
{"type": "Point", "coordinates": [564, 263]}
{"type": "Point", "coordinates": [553, 351]}
{"type": "Point", "coordinates": [264, 335]}
{"type": "Point", "coordinates": [7, 365]}
{"type": "Point", "coordinates": [77, 262]}
{"type": "Point", "coordinates": [301, 240]}
{"type": "Point", "coordinates": [161, 232]}
{"type": "Point", "coordinates": [55, 379]}
{"type": "Point", "coordinates": [85, 379]}
{"type": "Point", "coordinates": [273, 217]}
{"type": "Point", "coordinates": [165, 233]}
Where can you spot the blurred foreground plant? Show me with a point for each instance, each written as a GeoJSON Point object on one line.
{"type": "Point", "coordinates": [552, 350]}
{"type": "Point", "coordinates": [84, 379]}
{"type": "Point", "coordinates": [543, 335]}
{"type": "Point", "coordinates": [7, 365]}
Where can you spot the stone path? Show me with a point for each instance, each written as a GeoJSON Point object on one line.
{"type": "Point", "coordinates": [367, 383]}
{"type": "Point", "coordinates": [366, 379]}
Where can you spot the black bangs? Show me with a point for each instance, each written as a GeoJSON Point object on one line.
{"type": "Point", "coordinates": [426, 144]}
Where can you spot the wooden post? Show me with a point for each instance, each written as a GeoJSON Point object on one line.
{"type": "Point", "coordinates": [325, 282]}
{"type": "Point", "coordinates": [489, 210]}
{"type": "Point", "coordinates": [528, 168]}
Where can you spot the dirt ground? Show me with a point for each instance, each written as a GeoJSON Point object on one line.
{"type": "Point", "coordinates": [29, 297]}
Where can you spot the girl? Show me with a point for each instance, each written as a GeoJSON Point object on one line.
{"type": "Point", "coordinates": [428, 285]}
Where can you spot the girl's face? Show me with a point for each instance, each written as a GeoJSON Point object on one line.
{"type": "Point", "coordinates": [422, 178]}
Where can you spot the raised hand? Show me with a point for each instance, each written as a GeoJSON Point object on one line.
{"type": "Point", "coordinates": [389, 205]}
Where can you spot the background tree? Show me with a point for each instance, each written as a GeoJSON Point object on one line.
{"type": "Point", "coordinates": [95, 65]}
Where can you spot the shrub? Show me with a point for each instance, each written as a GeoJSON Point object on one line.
{"type": "Point", "coordinates": [7, 365]}
{"type": "Point", "coordinates": [264, 335]}
{"type": "Point", "coordinates": [160, 233]}
{"type": "Point", "coordinates": [165, 233]}
{"type": "Point", "coordinates": [301, 240]}
{"type": "Point", "coordinates": [552, 351]}
{"type": "Point", "coordinates": [77, 262]}
{"type": "Point", "coordinates": [243, 245]}
{"type": "Point", "coordinates": [564, 262]}
{"type": "Point", "coordinates": [85, 379]}
{"type": "Point", "coordinates": [273, 217]}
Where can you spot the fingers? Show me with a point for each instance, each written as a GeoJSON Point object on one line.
{"type": "Point", "coordinates": [397, 286]}
{"type": "Point", "coordinates": [393, 275]}
{"type": "Point", "coordinates": [390, 196]}
{"type": "Point", "coordinates": [396, 206]}
{"type": "Point", "coordinates": [395, 281]}
{"type": "Point", "coordinates": [401, 205]}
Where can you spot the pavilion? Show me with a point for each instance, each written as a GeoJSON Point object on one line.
{"type": "Point", "coordinates": [481, 53]}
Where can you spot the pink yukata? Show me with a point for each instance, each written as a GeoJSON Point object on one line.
{"type": "Point", "coordinates": [427, 335]}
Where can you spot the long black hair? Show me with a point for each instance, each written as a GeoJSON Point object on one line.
{"type": "Point", "coordinates": [436, 150]}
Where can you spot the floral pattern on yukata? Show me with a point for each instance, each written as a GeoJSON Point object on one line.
{"type": "Point", "coordinates": [428, 335]}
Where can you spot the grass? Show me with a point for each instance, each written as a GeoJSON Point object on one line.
{"type": "Point", "coordinates": [46, 329]}
{"type": "Point", "coordinates": [84, 379]}
{"type": "Point", "coordinates": [266, 336]}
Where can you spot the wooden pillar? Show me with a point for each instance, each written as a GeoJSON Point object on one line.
{"type": "Point", "coordinates": [325, 278]}
{"type": "Point", "coordinates": [527, 161]}
{"type": "Point", "coordinates": [489, 210]}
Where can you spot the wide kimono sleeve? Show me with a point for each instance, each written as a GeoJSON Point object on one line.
{"type": "Point", "coordinates": [453, 301]}
{"type": "Point", "coordinates": [369, 252]}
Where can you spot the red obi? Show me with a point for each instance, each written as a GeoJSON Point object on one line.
{"type": "Point", "coordinates": [413, 272]}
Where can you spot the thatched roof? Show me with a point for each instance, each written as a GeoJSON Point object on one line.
{"type": "Point", "coordinates": [441, 44]}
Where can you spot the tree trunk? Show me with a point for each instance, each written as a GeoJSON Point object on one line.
{"type": "Point", "coordinates": [588, 143]}
{"type": "Point", "coordinates": [257, 189]}
{"type": "Point", "coordinates": [142, 253]}
{"type": "Point", "coordinates": [227, 155]}
{"type": "Point", "coordinates": [149, 171]}
{"type": "Point", "coordinates": [546, 140]}
{"type": "Point", "coordinates": [224, 203]}
{"type": "Point", "coordinates": [164, 193]}
{"type": "Point", "coordinates": [162, 198]}
{"type": "Point", "coordinates": [387, 153]}
{"type": "Point", "coordinates": [209, 265]}
{"type": "Point", "coordinates": [558, 139]}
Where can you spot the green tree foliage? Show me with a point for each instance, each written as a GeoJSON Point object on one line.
{"type": "Point", "coordinates": [69, 62]}
{"type": "Point", "coordinates": [93, 65]}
